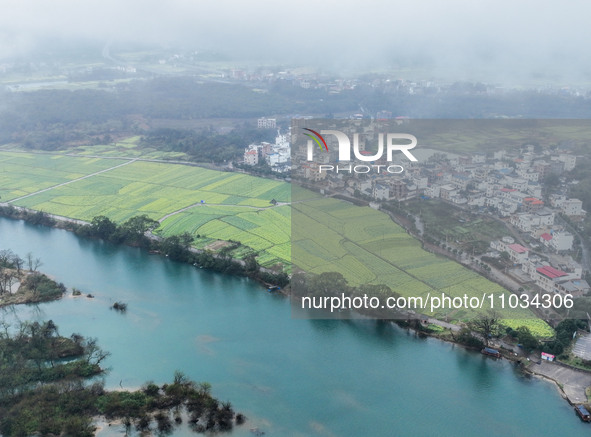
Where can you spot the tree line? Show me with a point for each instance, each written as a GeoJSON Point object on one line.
{"type": "Point", "coordinates": [48, 119]}
{"type": "Point", "coordinates": [206, 145]}
{"type": "Point", "coordinates": [135, 231]}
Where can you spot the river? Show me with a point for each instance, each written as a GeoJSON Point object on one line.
{"type": "Point", "coordinates": [290, 377]}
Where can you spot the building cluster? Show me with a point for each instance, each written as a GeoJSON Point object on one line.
{"type": "Point", "coordinates": [558, 274]}
{"type": "Point", "coordinates": [505, 185]}
{"type": "Point", "coordinates": [277, 156]}
{"type": "Point", "coordinates": [306, 78]}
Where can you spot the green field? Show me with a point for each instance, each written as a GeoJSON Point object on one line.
{"type": "Point", "coordinates": [128, 148]}
{"type": "Point", "coordinates": [266, 231]}
{"type": "Point", "coordinates": [474, 136]}
{"type": "Point", "coordinates": [25, 173]}
{"type": "Point", "coordinates": [124, 148]}
{"type": "Point", "coordinates": [156, 190]}
{"type": "Point", "coordinates": [365, 246]}
{"type": "Point", "coordinates": [327, 234]}
{"type": "Point", "coordinates": [235, 206]}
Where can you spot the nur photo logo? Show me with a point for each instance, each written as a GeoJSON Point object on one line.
{"type": "Point", "coordinates": [388, 145]}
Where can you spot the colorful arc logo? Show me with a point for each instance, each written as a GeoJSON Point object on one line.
{"type": "Point", "coordinates": [316, 139]}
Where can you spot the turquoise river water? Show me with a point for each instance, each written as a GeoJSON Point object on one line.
{"type": "Point", "coordinates": [290, 377]}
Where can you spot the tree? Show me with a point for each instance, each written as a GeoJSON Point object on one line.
{"type": "Point", "coordinates": [6, 258]}
{"type": "Point", "coordinates": [7, 279]}
{"type": "Point", "coordinates": [204, 388]}
{"type": "Point", "coordinates": [177, 246]}
{"type": "Point", "coordinates": [526, 339]}
{"type": "Point", "coordinates": [465, 337]}
{"type": "Point", "coordinates": [37, 263]}
{"type": "Point", "coordinates": [250, 264]}
{"type": "Point", "coordinates": [93, 353]}
{"type": "Point", "coordinates": [18, 263]}
{"type": "Point", "coordinates": [486, 325]}
{"type": "Point", "coordinates": [136, 227]}
{"type": "Point", "coordinates": [329, 284]}
{"type": "Point", "coordinates": [33, 263]}
{"type": "Point", "coordinates": [103, 227]}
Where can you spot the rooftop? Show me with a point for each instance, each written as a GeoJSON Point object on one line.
{"type": "Point", "coordinates": [518, 248]}
{"type": "Point", "coordinates": [550, 272]}
{"type": "Point", "coordinates": [546, 236]}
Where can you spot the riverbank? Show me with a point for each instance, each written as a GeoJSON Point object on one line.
{"type": "Point", "coordinates": [572, 383]}
{"type": "Point", "coordinates": [28, 287]}
{"type": "Point", "coordinates": [222, 329]}
{"type": "Point", "coordinates": [177, 250]}
{"type": "Point", "coordinates": [65, 224]}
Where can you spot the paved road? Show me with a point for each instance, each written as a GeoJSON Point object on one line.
{"type": "Point", "coordinates": [582, 347]}
{"type": "Point", "coordinates": [443, 324]}
{"type": "Point", "coordinates": [585, 258]}
{"type": "Point", "coordinates": [573, 382]}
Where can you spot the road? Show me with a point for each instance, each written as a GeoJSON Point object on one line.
{"type": "Point", "coordinates": [585, 259]}
{"type": "Point", "coordinates": [256, 208]}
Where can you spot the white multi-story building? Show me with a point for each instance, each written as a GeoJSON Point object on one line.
{"type": "Point", "coordinates": [478, 158]}
{"type": "Point", "coordinates": [562, 241]}
{"type": "Point", "coordinates": [528, 222]}
{"type": "Point", "coordinates": [433, 191]}
{"type": "Point", "coordinates": [534, 189]}
{"type": "Point", "coordinates": [312, 172]}
{"type": "Point", "coordinates": [421, 182]}
{"type": "Point", "coordinates": [272, 159]}
{"type": "Point", "coordinates": [517, 253]}
{"type": "Point", "coordinates": [556, 200]}
{"type": "Point", "coordinates": [251, 156]}
{"type": "Point", "coordinates": [553, 280]}
{"type": "Point", "coordinates": [477, 200]}
{"type": "Point", "coordinates": [381, 192]}
{"type": "Point", "coordinates": [266, 123]}
{"type": "Point", "coordinates": [499, 155]}
{"type": "Point", "coordinates": [559, 241]}
{"type": "Point", "coordinates": [530, 175]}
{"type": "Point", "coordinates": [570, 161]}
{"type": "Point", "coordinates": [572, 207]}
{"type": "Point", "coordinates": [547, 277]}
{"type": "Point", "coordinates": [516, 183]}
{"type": "Point", "coordinates": [448, 191]}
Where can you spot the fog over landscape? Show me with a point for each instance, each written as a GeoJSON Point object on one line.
{"type": "Point", "coordinates": [248, 242]}
{"type": "Point", "coordinates": [502, 41]}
